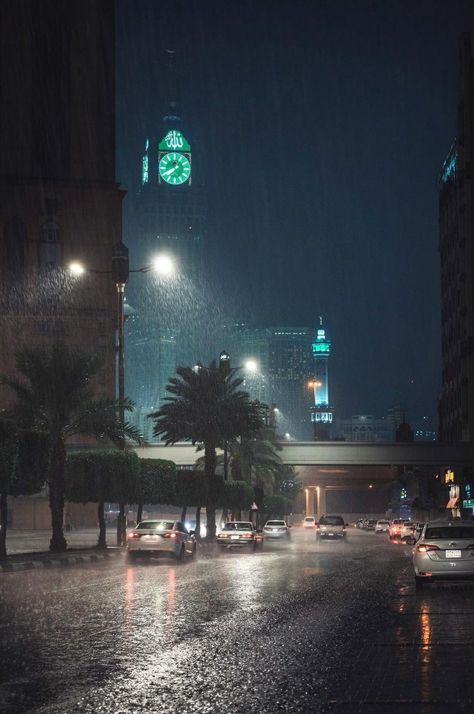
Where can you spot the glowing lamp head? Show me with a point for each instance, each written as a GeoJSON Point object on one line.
{"type": "Point", "coordinates": [76, 269]}
{"type": "Point", "coordinates": [251, 366]}
{"type": "Point", "coordinates": [163, 265]}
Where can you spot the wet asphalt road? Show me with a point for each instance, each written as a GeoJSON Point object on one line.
{"type": "Point", "coordinates": [303, 627]}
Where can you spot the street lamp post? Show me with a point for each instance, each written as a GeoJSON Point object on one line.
{"type": "Point", "coordinates": [120, 272]}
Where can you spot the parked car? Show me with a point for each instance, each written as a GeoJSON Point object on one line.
{"type": "Point", "coordinates": [382, 526]}
{"type": "Point", "coordinates": [276, 530]}
{"type": "Point", "coordinates": [239, 534]}
{"type": "Point", "coordinates": [445, 551]}
{"type": "Point", "coordinates": [165, 537]}
{"type": "Point", "coordinates": [332, 527]}
{"type": "Point", "coordinates": [309, 522]}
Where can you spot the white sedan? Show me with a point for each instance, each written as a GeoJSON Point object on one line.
{"type": "Point", "coordinates": [165, 537]}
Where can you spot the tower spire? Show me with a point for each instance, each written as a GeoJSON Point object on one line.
{"type": "Point", "coordinates": [172, 104]}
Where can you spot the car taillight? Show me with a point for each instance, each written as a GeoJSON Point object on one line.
{"type": "Point", "coordinates": [247, 535]}
{"type": "Point", "coordinates": [223, 535]}
{"type": "Point", "coordinates": [470, 547]}
{"type": "Point", "coordinates": [169, 535]}
{"type": "Point", "coordinates": [425, 547]}
{"type": "Point", "coordinates": [133, 535]}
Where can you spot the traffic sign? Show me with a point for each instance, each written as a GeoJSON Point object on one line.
{"type": "Point", "coordinates": [468, 504]}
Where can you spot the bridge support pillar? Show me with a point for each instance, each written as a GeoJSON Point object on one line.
{"type": "Point", "coordinates": [321, 500]}
{"type": "Point", "coordinates": [309, 493]}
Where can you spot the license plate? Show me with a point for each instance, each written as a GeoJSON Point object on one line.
{"type": "Point", "coordinates": [275, 530]}
{"type": "Point", "coordinates": [236, 537]}
{"type": "Point", "coordinates": [453, 554]}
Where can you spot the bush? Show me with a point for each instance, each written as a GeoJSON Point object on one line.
{"type": "Point", "coordinates": [157, 482]}
{"type": "Point", "coordinates": [98, 475]}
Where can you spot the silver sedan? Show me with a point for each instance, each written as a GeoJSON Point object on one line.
{"type": "Point", "coordinates": [276, 530]}
{"type": "Point", "coordinates": [444, 551]}
{"type": "Point", "coordinates": [165, 537]}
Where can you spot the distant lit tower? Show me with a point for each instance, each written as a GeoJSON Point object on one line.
{"type": "Point", "coordinates": [321, 412]}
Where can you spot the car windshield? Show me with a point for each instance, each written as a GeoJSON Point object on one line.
{"type": "Point", "coordinates": [156, 525]}
{"type": "Point", "coordinates": [331, 521]}
{"type": "Point", "coordinates": [450, 533]}
{"type": "Point", "coordinates": [275, 523]}
{"type": "Point", "coordinates": [238, 527]}
{"type": "Point", "coordinates": [309, 518]}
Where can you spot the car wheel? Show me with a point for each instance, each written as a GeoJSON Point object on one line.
{"type": "Point", "coordinates": [180, 556]}
{"type": "Point", "coordinates": [131, 555]}
{"type": "Point", "coordinates": [193, 553]}
{"type": "Point", "coordinates": [419, 583]}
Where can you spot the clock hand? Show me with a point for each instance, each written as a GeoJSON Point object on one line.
{"type": "Point", "coordinates": [170, 171]}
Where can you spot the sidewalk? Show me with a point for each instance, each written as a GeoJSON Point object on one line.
{"type": "Point", "coordinates": [28, 550]}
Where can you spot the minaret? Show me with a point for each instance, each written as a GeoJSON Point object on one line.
{"type": "Point", "coordinates": [321, 412]}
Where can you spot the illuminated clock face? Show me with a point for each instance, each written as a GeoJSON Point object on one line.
{"type": "Point", "coordinates": [174, 168]}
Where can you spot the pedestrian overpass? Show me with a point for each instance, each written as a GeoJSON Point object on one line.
{"type": "Point", "coordinates": [342, 465]}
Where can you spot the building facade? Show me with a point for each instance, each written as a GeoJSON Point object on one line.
{"type": "Point", "coordinates": [456, 248]}
{"type": "Point", "coordinates": [58, 197]}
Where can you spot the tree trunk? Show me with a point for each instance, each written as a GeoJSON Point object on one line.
{"type": "Point", "coordinates": [210, 471]}
{"type": "Point", "coordinates": [197, 530]}
{"type": "Point", "coordinates": [57, 464]}
{"type": "Point", "coordinates": [183, 513]}
{"type": "Point", "coordinates": [121, 526]}
{"type": "Point", "coordinates": [139, 512]}
{"type": "Point", "coordinates": [3, 525]}
{"type": "Point", "coordinates": [225, 515]}
{"type": "Point", "coordinates": [102, 541]}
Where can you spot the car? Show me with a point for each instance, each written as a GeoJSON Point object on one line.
{"type": "Point", "coordinates": [161, 537]}
{"type": "Point", "coordinates": [239, 534]}
{"type": "Point", "coordinates": [360, 523]}
{"type": "Point", "coordinates": [332, 527]}
{"type": "Point", "coordinates": [395, 528]}
{"type": "Point", "coordinates": [370, 524]}
{"type": "Point", "coordinates": [444, 551]}
{"type": "Point", "coordinates": [276, 530]}
{"type": "Point", "coordinates": [407, 532]}
{"type": "Point", "coordinates": [382, 526]}
{"type": "Point", "coordinates": [309, 522]}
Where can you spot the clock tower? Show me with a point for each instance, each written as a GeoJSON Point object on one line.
{"type": "Point", "coordinates": [169, 216]}
{"type": "Point", "coordinates": [171, 207]}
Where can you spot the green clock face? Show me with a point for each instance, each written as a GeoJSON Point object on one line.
{"type": "Point", "coordinates": [174, 168]}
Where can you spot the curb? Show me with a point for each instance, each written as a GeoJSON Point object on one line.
{"type": "Point", "coordinates": [58, 562]}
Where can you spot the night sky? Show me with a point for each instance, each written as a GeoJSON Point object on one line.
{"type": "Point", "coordinates": [321, 128]}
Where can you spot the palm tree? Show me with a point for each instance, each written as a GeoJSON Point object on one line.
{"type": "Point", "coordinates": [55, 395]}
{"type": "Point", "coordinates": [208, 408]}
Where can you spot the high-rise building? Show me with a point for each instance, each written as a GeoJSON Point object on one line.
{"type": "Point", "coordinates": [290, 370]}
{"type": "Point", "coordinates": [456, 247]}
{"type": "Point", "coordinates": [58, 197]}
{"type": "Point", "coordinates": [168, 216]}
{"type": "Point", "coordinates": [321, 411]}
{"type": "Point", "coordinates": [277, 366]}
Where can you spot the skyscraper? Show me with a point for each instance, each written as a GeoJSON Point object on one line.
{"type": "Point", "coordinates": [290, 370]}
{"type": "Point", "coordinates": [169, 215]}
{"type": "Point", "coordinates": [456, 247]}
